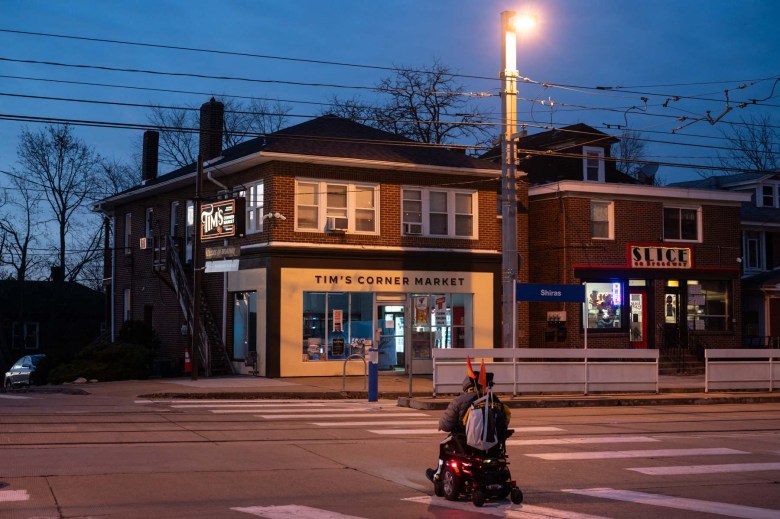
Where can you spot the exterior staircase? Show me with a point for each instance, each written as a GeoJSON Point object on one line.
{"type": "Point", "coordinates": [212, 349]}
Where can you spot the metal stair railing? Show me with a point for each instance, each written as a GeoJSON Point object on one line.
{"type": "Point", "coordinates": [181, 286]}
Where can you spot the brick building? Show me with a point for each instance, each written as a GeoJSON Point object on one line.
{"type": "Point", "coordinates": [352, 235]}
{"type": "Point", "coordinates": [660, 265]}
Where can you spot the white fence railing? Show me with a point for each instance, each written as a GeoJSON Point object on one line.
{"type": "Point", "coordinates": [539, 370]}
{"type": "Point", "coordinates": [742, 369]}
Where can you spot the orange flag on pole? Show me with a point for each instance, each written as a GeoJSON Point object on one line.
{"type": "Point", "coordinates": [469, 369]}
{"type": "Point", "coordinates": [483, 375]}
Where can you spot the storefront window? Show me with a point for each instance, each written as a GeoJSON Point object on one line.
{"type": "Point", "coordinates": [708, 305]}
{"type": "Point", "coordinates": [604, 305]}
{"type": "Point", "coordinates": [335, 323]}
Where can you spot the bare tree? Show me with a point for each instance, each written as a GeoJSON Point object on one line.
{"type": "Point", "coordinates": [114, 177]}
{"type": "Point", "coordinates": [630, 152]}
{"type": "Point", "coordinates": [20, 226]}
{"type": "Point", "coordinates": [178, 126]}
{"type": "Point", "coordinates": [754, 143]}
{"type": "Point", "coordinates": [64, 168]}
{"type": "Point", "coordinates": [426, 105]}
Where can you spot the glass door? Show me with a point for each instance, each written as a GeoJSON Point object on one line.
{"type": "Point", "coordinates": [391, 320]}
{"type": "Point", "coordinates": [638, 320]}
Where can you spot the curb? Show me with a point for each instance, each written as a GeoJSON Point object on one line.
{"type": "Point", "coordinates": [603, 401]}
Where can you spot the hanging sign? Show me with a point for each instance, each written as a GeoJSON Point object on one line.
{"type": "Point", "coordinates": [223, 219]}
{"type": "Point", "coordinates": [441, 311]}
{"type": "Point", "coordinates": [338, 320]}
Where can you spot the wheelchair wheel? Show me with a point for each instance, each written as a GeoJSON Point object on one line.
{"type": "Point", "coordinates": [451, 484]}
{"type": "Point", "coordinates": [478, 498]}
{"type": "Point", "coordinates": [516, 496]}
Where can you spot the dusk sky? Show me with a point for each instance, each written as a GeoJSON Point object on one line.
{"type": "Point", "coordinates": [684, 54]}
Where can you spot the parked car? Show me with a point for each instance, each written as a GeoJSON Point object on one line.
{"type": "Point", "coordinates": [21, 371]}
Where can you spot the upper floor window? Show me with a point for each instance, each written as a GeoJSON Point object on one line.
{"type": "Point", "coordinates": [439, 212]}
{"type": "Point", "coordinates": [25, 335]}
{"type": "Point", "coordinates": [768, 195]}
{"type": "Point", "coordinates": [593, 164]}
{"type": "Point", "coordinates": [602, 218]}
{"type": "Point", "coordinates": [128, 229]}
{"type": "Point", "coordinates": [189, 230]}
{"type": "Point", "coordinates": [753, 250]}
{"type": "Point", "coordinates": [336, 206]}
{"type": "Point", "coordinates": [149, 227]}
{"type": "Point", "coordinates": [254, 207]}
{"type": "Point", "coordinates": [174, 231]}
{"type": "Point", "coordinates": [682, 223]}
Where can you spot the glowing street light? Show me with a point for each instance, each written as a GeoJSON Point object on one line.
{"type": "Point", "coordinates": [510, 25]}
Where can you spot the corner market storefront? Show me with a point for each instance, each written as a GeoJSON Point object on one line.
{"type": "Point", "coordinates": [660, 299]}
{"type": "Point", "coordinates": [325, 315]}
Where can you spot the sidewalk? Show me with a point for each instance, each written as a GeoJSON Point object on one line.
{"type": "Point", "coordinates": [680, 390]}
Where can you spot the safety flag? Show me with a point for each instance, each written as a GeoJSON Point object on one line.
{"type": "Point", "coordinates": [482, 375]}
{"type": "Point", "coordinates": [469, 369]}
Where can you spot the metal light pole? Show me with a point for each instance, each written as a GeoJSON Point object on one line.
{"type": "Point", "coordinates": [509, 76]}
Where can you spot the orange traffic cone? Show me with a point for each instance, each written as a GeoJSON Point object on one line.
{"type": "Point", "coordinates": [187, 365]}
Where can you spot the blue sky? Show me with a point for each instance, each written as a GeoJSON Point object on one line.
{"type": "Point", "coordinates": [699, 48]}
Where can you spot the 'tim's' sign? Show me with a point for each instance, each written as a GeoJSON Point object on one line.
{"type": "Point", "coordinates": [223, 219]}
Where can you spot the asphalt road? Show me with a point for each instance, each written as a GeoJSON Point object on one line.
{"type": "Point", "coordinates": [92, 456]}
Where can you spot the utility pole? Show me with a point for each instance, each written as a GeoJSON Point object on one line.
{"type": "Point", "coordinates": [508, 75]}
{"type": "Point", "coordinates": [196, 275]}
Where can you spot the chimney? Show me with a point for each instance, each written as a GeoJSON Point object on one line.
{"type": "Point", "coordinates": [57, 273]}
{"type": "Point", "coordinates": [149, 159]}
{"type": "Point", "coordinates": [211, 121]}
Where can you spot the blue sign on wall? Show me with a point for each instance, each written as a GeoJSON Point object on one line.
{"type": "Point", "coordinates": [542, 292]}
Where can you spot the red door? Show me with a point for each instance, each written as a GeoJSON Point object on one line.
{"type": "Point", "coordinates": [638, 318]}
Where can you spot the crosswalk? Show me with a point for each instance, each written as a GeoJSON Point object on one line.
{"type": "Point", "coordinates": [387, 419]}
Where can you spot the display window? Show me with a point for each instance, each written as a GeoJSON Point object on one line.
{"type": "Point", "coordinates": [708, 305]}
{"type": "Point", "coordinates": [603, 309]}
{"type": "Point", "coordinates": [336, 324]}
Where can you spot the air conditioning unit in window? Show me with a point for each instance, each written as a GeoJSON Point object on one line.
{"type": "Point", "coordinates": [146, 243]}
{"type": "Point", "coordinates": [412, 228]}
{"type": "Point", "coordinates": [336, 224]}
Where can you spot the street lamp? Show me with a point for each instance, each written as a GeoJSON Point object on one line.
{"type": "Point", "coordinates": [510, 23]}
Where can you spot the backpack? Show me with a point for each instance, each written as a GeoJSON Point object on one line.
{"type": "Point", "coordinates": [484, 421]}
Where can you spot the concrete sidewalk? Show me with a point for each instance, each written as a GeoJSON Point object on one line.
{"type": "Point", "coordinates": [681, 390]}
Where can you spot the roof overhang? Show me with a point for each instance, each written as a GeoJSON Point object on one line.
{"type": "Point", "coordinates": [574, 188]}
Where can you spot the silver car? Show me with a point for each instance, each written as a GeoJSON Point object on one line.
{"type": "Point", "coordinates": [20, 372]}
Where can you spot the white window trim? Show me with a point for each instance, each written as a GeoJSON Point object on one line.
{"type": "Point", "coordinates": [426, 213]}
{"type": "Point", "coordinates": [174, 220]}
{"type": "Point", "coordinates": [761, 258]}
{"type": "Point", "coordinates": [610, 216]}
{"type": "Point", "coordinates": [600, 153]}
{"type": "Point", "coordinates": [257, 226]}
{"type": "Point", "coordinates": [322, 209]}
{"type": "Point", "coordinates": [128, 231]}
{"type": "Point", "coordinates": [127, 309]}
{"type": "Point", "coordinates": [699, 226]}
{"type": "Point", "coordinates": [760, 194]}
{"type": "Point", "coordinates": [148, 222]}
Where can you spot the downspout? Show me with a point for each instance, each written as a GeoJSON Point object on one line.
{"type": "Point", "coordinates": [224, 275]}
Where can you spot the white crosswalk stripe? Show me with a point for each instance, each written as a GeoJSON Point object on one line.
{"type": "Point", "coordinates": [706, 469]}
{"type": "Point", "coordinates": [292, 511]}
{"type": "Point", "coordinates": [654, 453]}
{"type": "Point", "coordinates": [523, 511]}
{"type": "Point", "coordinates": [13, 495]}
{"type": "Point", "coordinates": [588, 440]}
{"type": "Point", "coordinates": [679, 503]}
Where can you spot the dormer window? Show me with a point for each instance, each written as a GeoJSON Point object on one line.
{"type": "Point", "coordinates": [768, 195]}
{"type": "Point", "coordinates": [592, 164]}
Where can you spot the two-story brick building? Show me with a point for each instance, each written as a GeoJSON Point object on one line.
{"type": "Point", "coordinates": [660, 265]}
{"type": "Point", "coordinates": [352, 235]}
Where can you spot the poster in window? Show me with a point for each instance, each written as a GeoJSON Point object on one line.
{"type": "Point", "coordinates": [338, 320]}
{"type": "Point", "coordinates": [421, 311]}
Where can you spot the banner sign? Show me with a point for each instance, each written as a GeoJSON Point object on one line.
{"type": "Point", "coordinates": [542, 292]}
{"type": "Point", "coordinates": [223, 219]}
{"type": "Point", "coordinates": [659, 257]}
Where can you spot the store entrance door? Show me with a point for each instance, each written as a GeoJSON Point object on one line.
{"type": "Point", "coordinates": [638, 322]}
{"type": "Point", "coordinates": [390, 322]}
